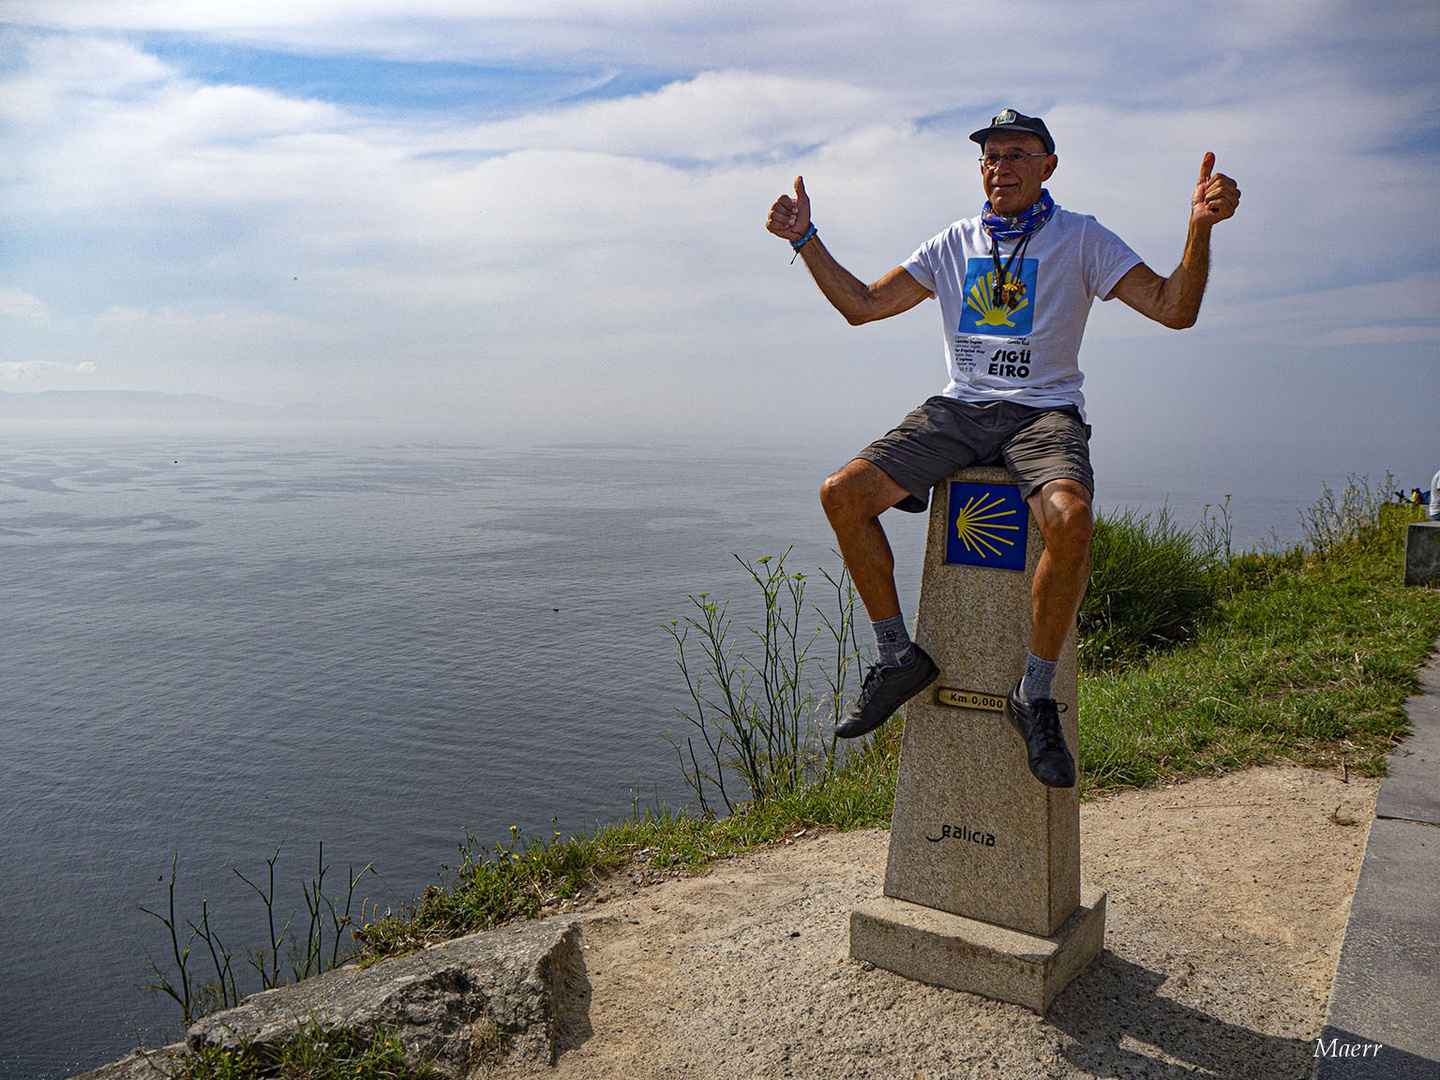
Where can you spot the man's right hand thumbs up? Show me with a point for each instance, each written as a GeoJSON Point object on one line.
{"type": "Point", "coordinates": [791, 217]}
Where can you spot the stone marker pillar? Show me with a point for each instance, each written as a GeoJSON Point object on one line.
{"type": "Point", "coordinates": [982, 889]}
{"type": "Point", "coordinates": [1422, 553]}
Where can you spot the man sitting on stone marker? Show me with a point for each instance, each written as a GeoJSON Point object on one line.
{"type": "Point", "coordinates": [1015, 286]}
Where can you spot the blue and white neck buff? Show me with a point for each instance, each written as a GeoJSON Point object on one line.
{"type": "Point", "coordinates": [1020, 226]}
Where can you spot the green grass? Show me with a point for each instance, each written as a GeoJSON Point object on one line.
{"type": "Point", "coordinates": [313, 1054]}
{"type": "Point", "coordinates": [523, 878]}
{"type": "Point", "coordinates": [1304, 657]}
{"type": "Point", "coordinates": [1152, 586]}
{"type": "Point", "coordinates": [1313, 665]}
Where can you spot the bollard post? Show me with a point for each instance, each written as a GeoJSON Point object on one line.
{"type": "Point", "coordinates": [1422, 553]}
{"type": "Point", "coordinates": [982, 887]}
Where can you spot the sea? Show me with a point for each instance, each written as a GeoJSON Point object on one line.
{"type": "Point", "coordinates": [224, 652]}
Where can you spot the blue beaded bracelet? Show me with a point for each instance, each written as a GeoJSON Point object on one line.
{"type": "Point", "coordinates": [798, 244]}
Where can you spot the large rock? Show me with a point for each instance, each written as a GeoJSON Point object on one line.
{"type": "Point", "coordinates": [143, 1064]}
{"type": "Point", "coordinates": [457, 1006]}
{"type": "Point", "coordinates": [515, 993]}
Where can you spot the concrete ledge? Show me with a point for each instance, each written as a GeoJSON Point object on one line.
{"type": "Point", "coordinates": [1380, 1024]}
{"type": "Point", "coordinates": [1410, 791]}
{"type": "Point", "coordinates": [953, 951]}
{"type": "Point", "coordinates": [1387, 980]}
{"type": "Point", "coordinates": [1422, 553]}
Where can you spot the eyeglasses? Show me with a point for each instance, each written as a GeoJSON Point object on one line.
{"type": "Point", "coordinates": [1010, 157]}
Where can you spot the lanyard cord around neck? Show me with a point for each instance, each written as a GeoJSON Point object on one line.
{"type": "Point", "coordinates": [1003, 287]}
{"type": "Point", "coordinates": [1008, 292]}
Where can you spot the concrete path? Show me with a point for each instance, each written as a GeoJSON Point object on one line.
{"type": "Point", "coordinates": [1384, 1017]}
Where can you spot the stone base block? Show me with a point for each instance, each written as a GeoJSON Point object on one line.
{"type": "Point", "coordinates": [947, 950]}
{"type": "Point", "coordinates": [1422, 553]}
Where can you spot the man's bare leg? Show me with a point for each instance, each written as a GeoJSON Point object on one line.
{"type": "Point", "coordinates": [1062, 509]}
{"type": "Point", "coordinates": [854, 498]}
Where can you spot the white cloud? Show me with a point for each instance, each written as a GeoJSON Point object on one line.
{"type": "Point", "coordinates": [612, 251]}
{"type": "Point", "coordinates": [15, 371]}
{"type": "Point", "coordinates": [16, 303]}
{"type": "Point", "coordinates": [713, 117]}
{"type": "Point", "coordinates": [104, 124]}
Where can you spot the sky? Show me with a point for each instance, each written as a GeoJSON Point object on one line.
{"type": "Point", "coordinates": [507, 220]}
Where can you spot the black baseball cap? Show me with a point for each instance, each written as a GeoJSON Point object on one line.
{"type": "Point", "coordinates": [1010, 120]}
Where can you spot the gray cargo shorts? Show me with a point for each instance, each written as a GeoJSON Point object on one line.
{"type": "Point", "coordinates": [944, 435]}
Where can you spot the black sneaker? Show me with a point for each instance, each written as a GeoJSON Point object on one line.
{"type": "Point", "coordinates": [884, 690]}
{"type": "Point", "coordinates": [1039, 725]}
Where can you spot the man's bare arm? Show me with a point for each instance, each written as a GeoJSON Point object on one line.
{"type": "Point", "coordinates": [1175, 301]}
{"type": "Point", "coordinates": [897, 291]}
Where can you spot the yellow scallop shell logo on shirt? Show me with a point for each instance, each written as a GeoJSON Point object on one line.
{"type": "Point", "coordinates": [982, 300]}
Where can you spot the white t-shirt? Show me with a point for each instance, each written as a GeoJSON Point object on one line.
{"type": "Point", "coordinates": [1028, 353]}
{"type": "Point", "coordinates": [1435, 498]}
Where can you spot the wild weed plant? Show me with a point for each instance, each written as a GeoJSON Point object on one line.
{"type": "Point", "coordinates": [312, 954]}
{"type": "Point", "coordinates": [308, 954]}
{"type": "Point", "coordinates": [757, 712]}
{"type": "Point", "coordinates": [195, 998]}
{"type": "Point", "coordinates": [1353, 518]}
